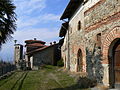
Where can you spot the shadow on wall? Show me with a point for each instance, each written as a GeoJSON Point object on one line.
{"type": "Point", "coordinates": [94, 65]}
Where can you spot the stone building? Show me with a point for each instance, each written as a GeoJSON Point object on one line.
{"type": "Point", "coordinates": [18, 55]}
{"type": "Point", "coordinates": [37, 54]}
{"type": "Point", "coordinates": [91, 32]}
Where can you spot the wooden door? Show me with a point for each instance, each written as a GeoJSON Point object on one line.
{"type": "Point", "coordinates": [114, 64]}
{"type": "Point", "coordinates": [117, 63]}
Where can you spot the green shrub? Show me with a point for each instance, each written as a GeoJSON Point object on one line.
{"type": "Point", "coordinates": [60, 63]}
{"type": "Point", "coordinates": [84, 82]}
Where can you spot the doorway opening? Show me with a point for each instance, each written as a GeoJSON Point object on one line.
{"type": "Point", "coordinates": [79, 61]}
{"type": "Point", "coordinates": [114, 64]}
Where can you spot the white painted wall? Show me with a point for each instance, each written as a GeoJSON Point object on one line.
{"type": "Point", "coordinates": [31, 61]}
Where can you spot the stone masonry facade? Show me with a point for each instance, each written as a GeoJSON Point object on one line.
{"type": "Point", "coordinates": [39, 54]}
{"type": "Point", "coordinates": [100, 26]}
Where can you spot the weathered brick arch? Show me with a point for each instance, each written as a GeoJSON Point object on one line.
{"type": "Point", "coordinates": [76, 49]}
{"type": "Point", "coordinates": [109, 38]}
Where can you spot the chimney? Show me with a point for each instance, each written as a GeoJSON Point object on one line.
{"type": "Point", "coordinates": [35, 39]}
{"type": "Point", "coordinates": [54, 42]}
{"type": "Point", "coordinates": [50, 43]}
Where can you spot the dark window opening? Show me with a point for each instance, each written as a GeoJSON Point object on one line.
{"type": "Point", "coordinates": [79, 25]}
{"type": "Point", "coordinates": [79, 61]}
{"type": "Point", "coordinates": [99, 40]}
{"type": "Point", "coordinates": [85, 1]}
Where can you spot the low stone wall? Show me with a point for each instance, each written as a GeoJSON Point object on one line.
{"type": "Point", "coordinates": [5, 68]}
{"type": "Point", "coordinates": [6, 75]}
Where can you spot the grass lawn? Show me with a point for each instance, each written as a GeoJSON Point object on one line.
{"type": "Point", "coordinates": [48, 78]}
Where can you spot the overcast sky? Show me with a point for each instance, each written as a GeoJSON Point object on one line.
{"type": "Point", "coordinates": [35, 19]}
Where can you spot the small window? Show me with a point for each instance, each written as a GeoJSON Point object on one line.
{"type": "Point", "coordinates": [85, 1]}
{"type": "Point", "coordinates": [17, 47]}
{"type": "Point", "coordinates": [79, 25]}
{"type": "Point", "coordinates": [99, 39]}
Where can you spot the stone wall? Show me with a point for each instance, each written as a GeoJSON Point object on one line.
{"type": "Point", "coordinates": [45, 56]}
{"type": "Point", "coordinates": [18, 55]}
{"type": "Point", "coordinates": [101, 13]}
{"type": "Point", "coordinates": [76, 40]}
{"type": "Point", "coordinates": [100, 18]}
{"type": "Point", "coordinates": [6, 68]}
{"type": "Point", "coordinates": [64, 52]}
{"type": "Point", "coordinates": [97, 17]}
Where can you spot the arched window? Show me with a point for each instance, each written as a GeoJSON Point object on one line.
{"type": "Point", "coordinates": [99, 40]}
{"type": "Point", "coordinates": [79, 25]}
{"type": "Point", "coordinates": [79, 61]}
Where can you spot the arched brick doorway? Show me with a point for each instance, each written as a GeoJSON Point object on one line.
{"type": "Point", "coordinates": [109, 41]}
{"type": "Point", "coordinates": [114, 63]}
{"type": "Point", "coordinates": [79, 61]}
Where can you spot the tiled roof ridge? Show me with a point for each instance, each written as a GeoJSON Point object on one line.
{"type": "Point", "coordinates": [34, 41]}
{"type": "Point", "coordinates": [35, 44]}
{"type": "Point", "coordinates": [39, 49]}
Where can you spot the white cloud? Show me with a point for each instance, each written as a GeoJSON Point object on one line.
{"type": "Point", "coordinates": [36, 4]}
{"type": "Point", "coordinates": [28, 21]}
{"type": "Point", "coordinates": [41, 34]}
{"type": "Point", "coordinates": [31, 21]}
{"type": "Point", "coordinates": [30, 14]}
{"type": "Point", "coordinates": [44, 34]}
{"type": "Point", "coordinates": [25, 10]}
{"type": "Point", "coordinates": [50, 17]}
{"type": "Point", "coordinates": [29, 6]}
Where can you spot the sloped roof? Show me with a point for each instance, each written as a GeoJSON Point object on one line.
{"type": "Point", "coordinates": [40, 49]}
{"type": "Point", "coordinates": [35, 41]}
{"type": "Point", "coordinates": [71, 8]}
{"type": "Point", "coordinates": [36, 50]}
{"type": "Point", "coordinates": [35, 45]}
{"type": "Point", "coordinates": [61, 41]}
{"type": "Point", "coordinates": [63, 29]}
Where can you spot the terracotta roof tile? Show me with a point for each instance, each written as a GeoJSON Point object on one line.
{"type": "Point", "coordinates": [27, 41]}
{"type": "Point", "coordinates": [35, 45]}
{"type": "Point", "coordinates": [39, 49]}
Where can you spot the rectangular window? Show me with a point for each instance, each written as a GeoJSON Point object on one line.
{"type": "Point", "coordinates": [99, 40]}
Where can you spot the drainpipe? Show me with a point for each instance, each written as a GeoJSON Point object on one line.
{"type": "Point", "coordinates": [68, 62]}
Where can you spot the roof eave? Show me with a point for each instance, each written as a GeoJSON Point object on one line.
{"type": "Point", "coordinates": [63, 29]}
{"type": "Point", "coordinates": [68, 12]}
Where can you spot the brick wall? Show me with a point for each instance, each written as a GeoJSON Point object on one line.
{"type": "Point", "coordinates": [97, 17]}
{"type": "Point", "coordinates": [102, 13]}
{"type": "Point", "coordinates": [104, 18]}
